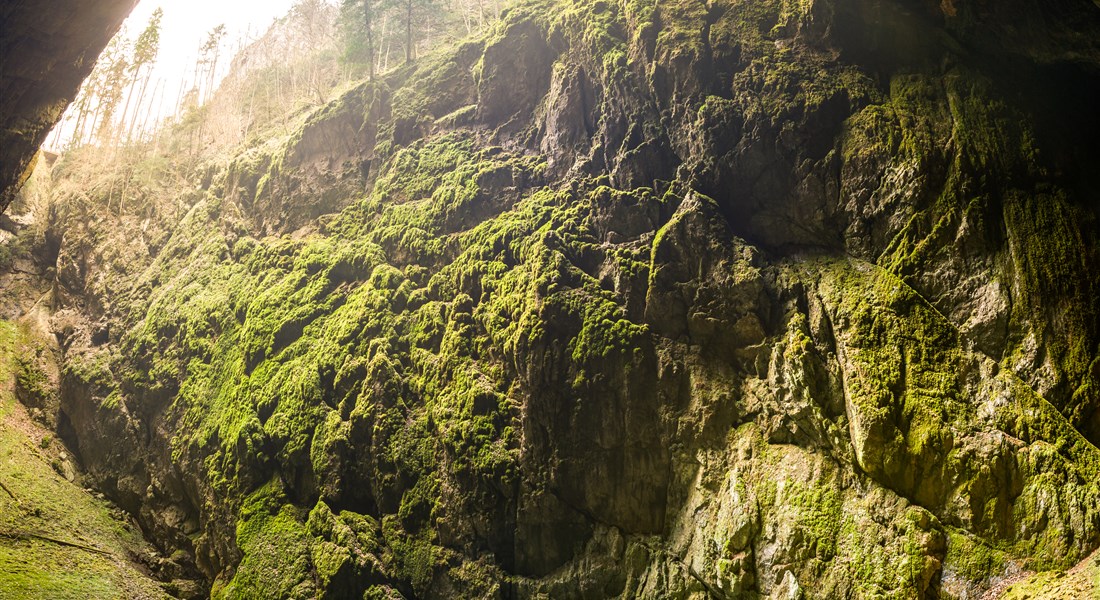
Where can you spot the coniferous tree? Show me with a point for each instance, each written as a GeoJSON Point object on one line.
{"type": "Point", "coordinates": [146, 49]}
{"type": "Point", "coordinates": [358, 19]}
{"type": "Point", "coordinates": [111, 88]}
{"type": "Point", "coordinates": [84, 105]}
{"type": "Point", "coordinates": [418, 17]}
{"type": "Point", "coordinates": [410, 49]}
{"type": "Point", "coordinates": [209, 53]}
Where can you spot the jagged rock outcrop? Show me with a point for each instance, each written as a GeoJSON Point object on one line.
{"type": "Point", "coordinates": [49, 48]}
{"type": "Point", "coordinates": [732, 299]}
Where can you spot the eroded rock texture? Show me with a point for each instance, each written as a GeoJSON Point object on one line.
{"type": "Point", "coordinates": [764, 299]}
{"type": "Point", "coordinates": [48, 48]}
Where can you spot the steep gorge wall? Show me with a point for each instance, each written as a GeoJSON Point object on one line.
{"type": "Point", "coordinates": [627, 300]}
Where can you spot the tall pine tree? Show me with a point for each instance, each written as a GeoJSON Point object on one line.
{"type": "Point", "coordinates": [358, 19]}
{"type": "Point", "coordinates": [146, 49]}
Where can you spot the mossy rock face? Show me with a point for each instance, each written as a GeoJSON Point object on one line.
{"type": "Point", "coordinates": [37, 379]}
{"type": "Point", "coordinates": [57, 539]}
{"type": "Point", "coordinates": [622, 299]}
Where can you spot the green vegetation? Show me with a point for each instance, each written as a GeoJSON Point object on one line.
{"type": "Point", "coordinates": [903, 390]}
{"type": "Point", "coordinates": [396, 339]}
{"type": "Point", "coordinates": [290, 351]}
{"type": "Point", "coordinates": [1082, 581]}
{"type": "Point", "coordinates": [973, 558]}
{"type": "Point", "coordinates": [56, 539]}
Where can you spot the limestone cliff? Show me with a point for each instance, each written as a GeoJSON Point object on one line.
{"type": "Point", "coordinates": [625, 299]}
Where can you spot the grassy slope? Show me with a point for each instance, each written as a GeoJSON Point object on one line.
{"type": "Point", "coordinates": [40, 502]}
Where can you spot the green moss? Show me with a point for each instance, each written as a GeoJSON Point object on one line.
{"type": "Point", "coordinates": [32, 384]}
{"type": "Point", "coordinates": [994, 166]}
{"type": "Point", "coordinates": [1081, 582]}
{"type": "Point", "coordinates": [291, 352]}
{"type": "Point", "coordinates": [902, 386]}
{"type": "Point", "coordinates": [274, 539]}
{"type": "Point", "coordinates": [903, 395]}
{"type": "Point", "coordinates": [37, 501]}
{"type": "Point", "coordinates": [974, 559]}
{"type": "Point", "coordinates": [1047, 234]}
{"type": "Point", "coordinates": [413, 557]}
{"type": "Point", "coordinates": [380, 360]}
{"type": "Point", "coordinates": [93, 368]}
{"type": "Point", "coordinates": [36, 569]}
{"type": "Point", "coordinates": [849, 542]}
{"type": "Point", "coordinates": [344, 550]}
{"type": "Point", "coordinates": [910, 562]}
{"type": "Point", "coordinates": [820, 515]}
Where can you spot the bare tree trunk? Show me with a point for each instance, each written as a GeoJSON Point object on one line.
{"type": "Point", "coordinates": [467, 19]}
{"type": "Point", "coordinates": [137, 109]}
{"type": "Point", "coordinates": [409, 51]}
{"type": "Point", "coordinates": [381, 42]}
{"type": "Point", "coordinates": [213, 72]}
{"type": "Point", "coordinates": [95, 122]}
{"type": "Point", "coordinates": [369, 15]}
{"type": "Point", "coordinates": [156, 120]}
{"type": "Point", "coordinates": [149, 114]}
{"type": "Point", "coordinates": [179, 96]}
{"type": "Point", "coordinates": [81, 116]}
{"type": "Point", "coordinates": [83, 120]}
{"type": "Point", "coordinates": [196, 81]}
{"type": "Point", "coordinates": [129, 97]}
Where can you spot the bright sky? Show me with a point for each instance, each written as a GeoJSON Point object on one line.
{"type": "Point", "coordinates": [184, 27]}
{"type": "Point", "coordinates": [187, 22]}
